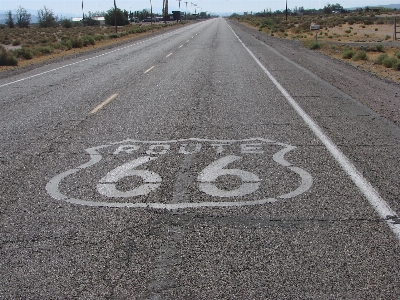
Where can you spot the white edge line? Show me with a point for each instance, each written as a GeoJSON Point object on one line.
{"type": "Point", "coordinates": [370, 193]}
{"type": "Point", "coordinates": [77, 62]}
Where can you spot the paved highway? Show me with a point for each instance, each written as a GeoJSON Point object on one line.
{"type": "Point", "coordinates": [199, 163]}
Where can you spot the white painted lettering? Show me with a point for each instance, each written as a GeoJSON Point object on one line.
{"type": "Point", "coordinates": [158, 149]}
{"type": "Point", "coordinates": [127, 149]}
{"type": "Point", "coordinates": [251, 148]}
{"type": "Point", "coordinates": [219, 147]}
{"type": "Point", "coordinates": [183, 149]}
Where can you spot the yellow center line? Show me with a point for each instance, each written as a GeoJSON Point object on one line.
{"type": "Point", "coordinates": [148, 70]}
{"type": "Point", "coordinates": [101, 105]}
{"type": "Point", "coordinates": [169, 55]}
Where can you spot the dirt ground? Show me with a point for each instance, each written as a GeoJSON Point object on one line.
{"type": "Point", "coordinates": [363, 37]}
{"type": "Point", "coordinates": [358, 37]}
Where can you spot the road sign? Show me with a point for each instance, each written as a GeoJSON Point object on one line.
{"type": "Point", "coordinates": [183, 173]}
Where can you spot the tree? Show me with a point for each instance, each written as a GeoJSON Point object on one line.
{"type": "Point", "coordinates": [122, 17]}
{"type": "Point", "coordinates": [89, 20]}
{"type": "Point", "coordinates": [327, 9]}
{"type": "Point", "coordinates": [9, 20]}
{"type": "Point", "coordinates": [330, 8]}
{"type": "Point", "coordinates": [143, 14]}
{"type": "Point", "coordinates": [23, 18]}
{"type": "Point", "coordinates": [46, 18]}
{"type": "Point", "coordinates": [66, 23]}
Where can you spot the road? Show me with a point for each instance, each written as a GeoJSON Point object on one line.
{"type": "Point", "coordinates": [198, 163]}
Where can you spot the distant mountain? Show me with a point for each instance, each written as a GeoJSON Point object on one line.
{"type": "Point", "coordinates": [390, 6]}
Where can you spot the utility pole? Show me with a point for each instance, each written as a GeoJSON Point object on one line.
{"type": "Point", "coordinates": [115, 16]}
{"type": "Point", "coordinates": [165, 10]}
{"type": "Point", "coordinates": [186, 11]}
{"type": "Point", "coordinates": [286, 10]}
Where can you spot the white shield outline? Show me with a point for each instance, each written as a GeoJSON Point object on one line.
{"type": "Point", "coordinates": [52, 186]}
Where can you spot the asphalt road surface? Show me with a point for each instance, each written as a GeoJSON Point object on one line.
{"type": "Point", "coordinates": [195, 164]}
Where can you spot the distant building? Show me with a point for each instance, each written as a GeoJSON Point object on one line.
{"type": "Point", "coordinates": [99, 19]}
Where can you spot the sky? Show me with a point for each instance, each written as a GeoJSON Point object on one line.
{"type": "Point", "coordinates": [209, 6]}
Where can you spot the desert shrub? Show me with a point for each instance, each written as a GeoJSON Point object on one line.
{"type": "Point", "coordinates": [44, 50]}
{"type": "Point", "coordinates": [66, 23]}
{"type": "Point", "coordinates": [44, 40]}
{"type": "Point", "coordinates": [25, 53]}
{"type": "Point", "coordinates": [16, 43]}
{"type": "Point", "coordinates": [314, 45]}
{"type": "Point", "coordinates": [397, 54]}
{"type": "Point", "coordinates": [6, 59]}
{"type": "Point", "coordinates": [380, 58]}
{"type": "Point", "coordinates": [67, 44]}
{"type": "Point", "coordinates": [396, 66]}
{"type": "Point", "coordinates": [379, 47]}
{"type": "Point", "coordinates": [88, 40]}
{"type": "Point", "coordinates": [113, 35]}
{"type": "Point", "coordinates": [347, 31]}
{"type": "Point", "coordinates": [348, 54]}
{"type": "Point", "coordinates": [59, 46]}
{"type": "Point", "coordinates": [76, 43]}
{"type": "Point", "coordinates": [389, 62]}
{"type": "Point", "coordinates": [387, 37]}
{"type": "Point", "coordinates": [360, 55]}
{"type": "Point", "coordinates": [99, 37]}
{"type": "Point", "coordinates": [376, 29]}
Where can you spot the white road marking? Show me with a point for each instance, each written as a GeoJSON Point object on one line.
{"type": "Point", "coordinates": [169, 55]}
{"type": "Point", "coordinates": [180, 46]}
{"type": "Point", "coordinates": [104, 103]}
{"type": "Point", "coordinates": [90, 58]}
{"type": "Point", "coordinates": [370, 193]}
{"type": "Point", "coordinates": [148, 70]}
{"type": "Point", "coordinates": [206, 179]}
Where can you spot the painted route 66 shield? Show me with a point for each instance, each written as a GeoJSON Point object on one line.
{"type": "Point", "coordinates": [183, 173]}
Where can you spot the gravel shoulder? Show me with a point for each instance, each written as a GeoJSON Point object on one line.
{"type": "Point", "coordinates": [380, 95]}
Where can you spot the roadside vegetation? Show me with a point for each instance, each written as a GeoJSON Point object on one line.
{"type": "Point", "coordinates": [360, 37]}
{"type": "Point", "coordinates": [34, 42]}
{"type": "Point", "coordinates": [20, 40]}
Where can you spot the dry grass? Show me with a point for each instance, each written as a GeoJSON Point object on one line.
{"type": "Point", "coordinates": [44, 44]}
{"type": "Point", "coordinates": [337, 36]}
